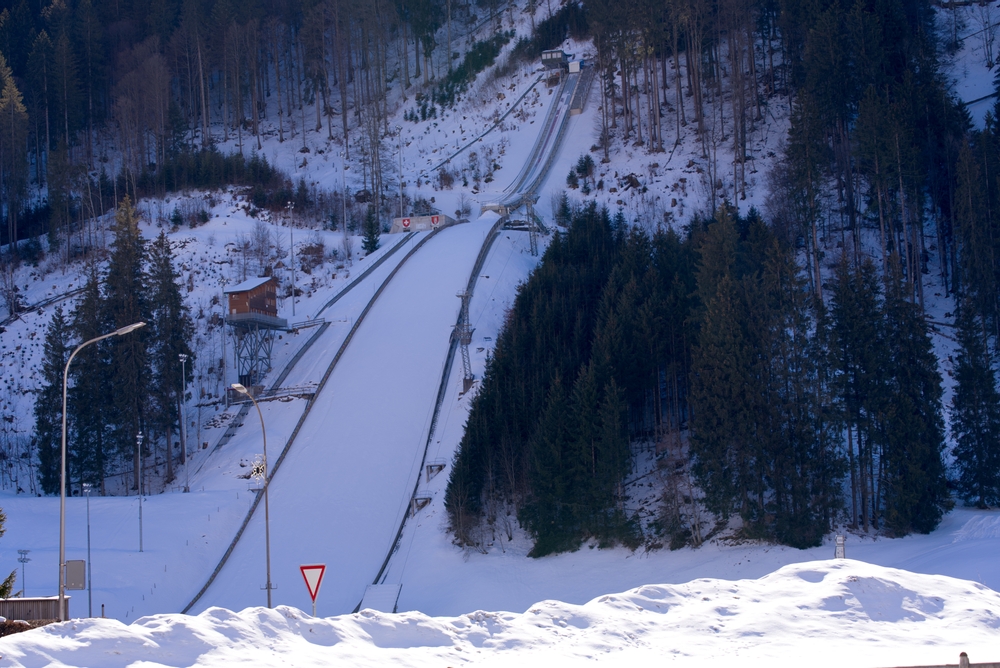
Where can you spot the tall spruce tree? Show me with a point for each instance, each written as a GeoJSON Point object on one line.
{"type": "Point", "coordinates": [370, 229]}
{"type": "Point", "coordinates": [90, 396]}
{"type": "Point", "coordinates": [859, 350]}
{"type": "Point", "coordinates": [975, 415]}
{"type": "Point", "coordinates": [915, 493]}
{"type": "Point", "coordinates": [48, 403]}
{"type": "Point", "coordinates": [169, 338]}
{"type": "Point", "coordinates": [126, 302]}
{"type": "Point", "coordinates": [723, 389]}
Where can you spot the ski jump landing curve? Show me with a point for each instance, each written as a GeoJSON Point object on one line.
{"type": "Point", "coordinates": [344, 487]}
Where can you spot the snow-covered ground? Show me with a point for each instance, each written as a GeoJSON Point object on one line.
{"type": "Point", "coordinates": [345, 485]}
{"type": "Point", "coordinates": [818, 613]}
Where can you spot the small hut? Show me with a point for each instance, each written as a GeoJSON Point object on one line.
{"type": "Point", "coordinates": [252, 318]}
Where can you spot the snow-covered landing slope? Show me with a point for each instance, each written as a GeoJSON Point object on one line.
{"type": "Point", "coordinates": [820, 613]}
{"type": "Point", "coordinates": [346, 482]}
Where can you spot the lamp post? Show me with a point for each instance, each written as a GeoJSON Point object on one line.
{"type": "Point", "coordinates": [399, 135]}
{"type": "Point", "coordinates": [180, 412]}
{"type": "Point", "coordinates": [90, 591]}
{"type": "Point", "coordinates": [62, 474]}
{"type": "Point", "coordinates": [267, 482]}
{"type": "Point", "coordinates": [23, 559]}
{"type": "Point", "coordinates": [138, 444]}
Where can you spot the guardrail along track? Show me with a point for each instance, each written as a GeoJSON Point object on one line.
{"type": "Point", "coordinates": [491, 237]}
{"type": "Point", "coordinates": [301, 421]}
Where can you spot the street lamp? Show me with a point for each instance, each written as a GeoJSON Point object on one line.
{"type": "Point", "coordinates": [90, 591]}
{"type": "Point", "coordinates": [138, 445]}
{"type": "Point", "coordinates": [62, 476]}
{"type": "Point", "coordinates": [267, 482]}
{"type": "Point", "coordinates": [187, 477]}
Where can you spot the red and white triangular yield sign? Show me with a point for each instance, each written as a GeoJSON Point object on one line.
{"type": "Point", "coordinates": [313, 575]}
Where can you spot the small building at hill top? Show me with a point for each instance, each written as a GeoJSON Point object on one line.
{"type": "Point", "coordinates": [252, 316]}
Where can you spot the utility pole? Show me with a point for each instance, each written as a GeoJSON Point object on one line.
{"type": "Point", "coordinates": [90, 590]}
{"type": "Point", "coordinates": [187, 476]}
{"type": "Point", "coordinates": [138, 440]}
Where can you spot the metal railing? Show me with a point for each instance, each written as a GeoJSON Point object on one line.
{"type": "Point", "coordinates": [301, 421]}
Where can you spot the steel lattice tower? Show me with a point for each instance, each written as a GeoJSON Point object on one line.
{"type": "Point", "coordinates": [532, 225]}
{"type": "Point", "coordinates": [463, 333]}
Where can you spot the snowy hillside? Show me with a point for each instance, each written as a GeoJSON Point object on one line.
{"type": "Point", "coordinates": [356, 432]}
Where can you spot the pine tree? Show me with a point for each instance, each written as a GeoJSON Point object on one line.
{"type": "Point", "coordinates": [975, 415]}
{"type": "Point", "coordinates": [915, 492]}
{"type": "Point", "coordinates": [89, 404]}
{"type": "Point", "coordinates": [90, 396]}
{"type": "Point", "coordinates": [125, 303]}
{"type": "Point", "coordinates": [13, 154]}
{"type": "Point", "coordinates": [370, 241]}
{"type": "Point", "coordinates": [170, 337]}
{"type": "Point", "coordinates": [804, 467]}
{"type": "Point", "coordinates": [860, 350]}
{"type": "Point", "coordinates": [548, 516]}
{"type": "Point", "coordinates": [7, 586]}
{"type": "Point", "coordinates": [48, 403]}
{"type": "Point", "coordinates": [724, 388]}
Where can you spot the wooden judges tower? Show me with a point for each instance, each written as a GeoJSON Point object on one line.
{"type": "Point", "coordinates": [252, 316]}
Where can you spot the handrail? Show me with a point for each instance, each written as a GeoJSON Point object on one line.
{"type": "Point", "coordinates": [301, 421]}
{"type": "Point", "coordinates": [485, 132]}
{"type": "Point", "coordinates": [40, 304]}
{"type": "Point", "coordinates": [372, 267]}
{"type": "Point", "coordinates": [491, 237]}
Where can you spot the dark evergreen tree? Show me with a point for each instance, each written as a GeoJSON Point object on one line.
{"type": "Point", "coordinates": [911, 466]}
{"type": "Point", "coordinates": [975, 415]}
{"type": "Point", "coordinates": [170, 337]}
{"type": "Point", "coordinates": [7, 586]}
{"type": "Point", "coordinates": [125, 303]}
{"type": "Point", "coordinates": [548, 516]}
{"type": "Point", "coordinates": [725, 387]}
{"type": "Point", "coordinates": [370, 229]}
{"type": "Point", "coordinates": [859, 350]}
{"type": "Point", "coordinates": [90, 394]}
{"type": "Point", "coordinates": [48, 403]}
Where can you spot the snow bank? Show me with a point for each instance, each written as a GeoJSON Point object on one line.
{"type": "Point", "coordinates": [830, 612]}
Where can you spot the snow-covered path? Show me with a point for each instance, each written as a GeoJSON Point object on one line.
{"type": "Point", "coordinates": [346, 482]}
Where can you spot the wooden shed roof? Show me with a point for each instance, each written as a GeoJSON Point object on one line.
{"type": "Point", "coordinates": [248, 284]}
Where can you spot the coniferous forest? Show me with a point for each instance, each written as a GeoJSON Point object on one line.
{"type": "Point", "coordinates": [124, 385]}
{"type": "Point", "coordinates": [780, 362]}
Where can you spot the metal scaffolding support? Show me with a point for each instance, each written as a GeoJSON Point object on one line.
{"type": "Point", "coordinates": [532, 224]}
{"type": "Point", "coordinates": [463, 333]}
{"type": "Point", "coordinates": [252, 348]}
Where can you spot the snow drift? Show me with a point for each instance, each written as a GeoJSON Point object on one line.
{"type": "Point", "coordinates": [839, 612]}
